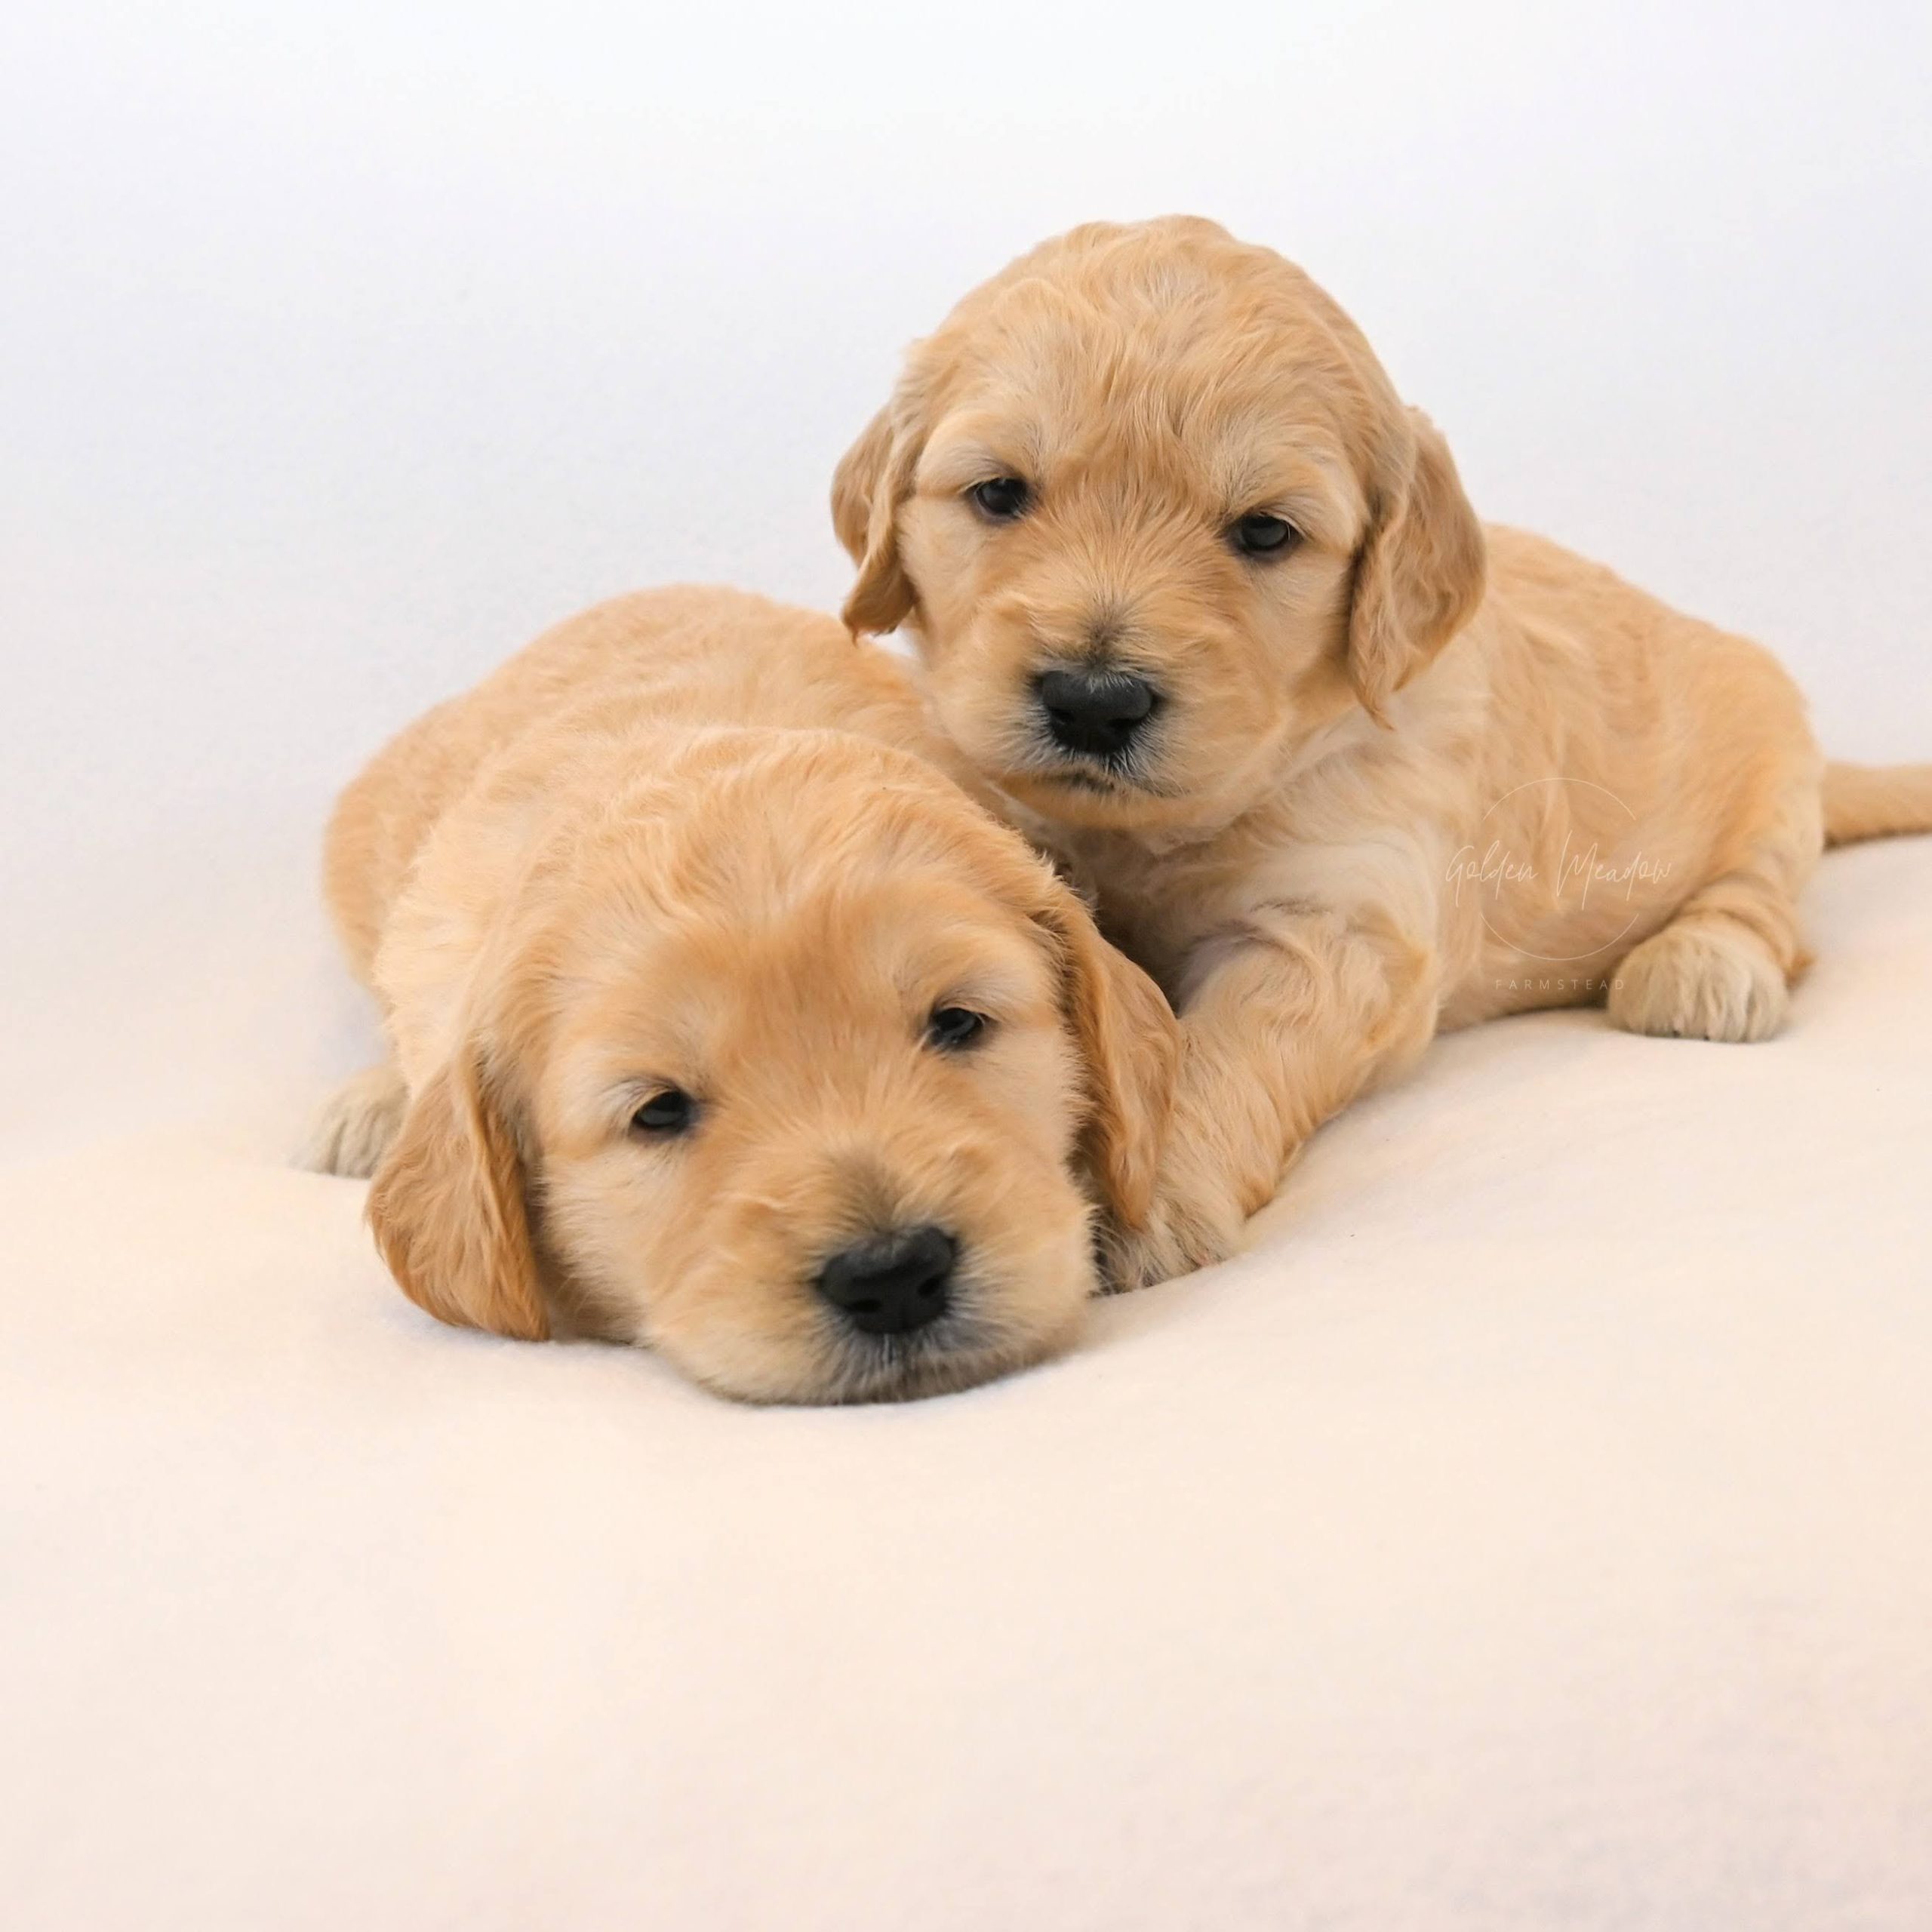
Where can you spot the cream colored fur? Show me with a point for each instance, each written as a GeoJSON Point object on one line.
{"type": "Point", "coordinates": [1410, 773]}
{"type": "Point", "coordinates": [693, 840]}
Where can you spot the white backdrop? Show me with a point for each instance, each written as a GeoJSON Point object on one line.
{"type": "Point", "coordinates": [345, 346]}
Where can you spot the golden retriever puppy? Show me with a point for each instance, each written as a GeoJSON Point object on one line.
{"type": "Point", "coordinates": [1195, 588]}
{"type": "Point", "coordinates": [725, 1022]}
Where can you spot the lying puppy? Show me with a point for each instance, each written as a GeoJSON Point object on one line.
{"type": "Point", "coordinates": [1192, 586]}
{"type": "Point", "coordinates": [724, 1022]}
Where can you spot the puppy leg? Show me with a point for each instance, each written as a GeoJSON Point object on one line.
{"type": "Point", "coordinates": [353, 1128]}
{"type": "Point", "coordinates": [1723, 967]}
{"type": "Point", "coordinates": [1280, 1032]}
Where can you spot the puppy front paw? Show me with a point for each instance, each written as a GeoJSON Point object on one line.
{"type": "Point", "coordinates": [353, 1128]}
{"type": "Point", "coordinates": [1185, 1232]}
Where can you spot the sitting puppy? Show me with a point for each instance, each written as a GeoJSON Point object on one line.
{"type": "Point", "coordinates": [722, 1022]}
{"type": "Point", "coordinates": [1194, 588]}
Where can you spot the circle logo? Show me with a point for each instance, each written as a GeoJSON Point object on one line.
{"type": "Point", "coordinates": [1574, 874]}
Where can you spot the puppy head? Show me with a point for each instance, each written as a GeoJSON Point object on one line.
{"type": "Point", "coordinates": [1155, 515]}
{"type": "Point", "coordinates": [790, 1062]}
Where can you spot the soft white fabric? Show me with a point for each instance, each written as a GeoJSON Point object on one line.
{"type": "Point", "coordinates": [1534, 1529]}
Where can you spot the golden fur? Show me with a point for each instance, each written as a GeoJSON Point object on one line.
{"type": "Point", "coordinates": [691, 839]}
{"type": "Point", "coordinates": [1410, 773]}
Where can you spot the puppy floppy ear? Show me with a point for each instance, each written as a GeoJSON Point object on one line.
{"type": "Point", "coordinates": [1419, 573]}
{"type": "Point", "coordinates": [869, 489]}
{"type": "Point", "coordinates": [448, 1210]}
{"type": "Point", "coordinates": [1129, 1041]}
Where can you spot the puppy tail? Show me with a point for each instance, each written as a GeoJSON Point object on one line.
{"type": "Point", "coordinates": [1876, 801]}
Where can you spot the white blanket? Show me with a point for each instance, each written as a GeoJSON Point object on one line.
{"type": "Point", "coordinates": [1533, 1529]}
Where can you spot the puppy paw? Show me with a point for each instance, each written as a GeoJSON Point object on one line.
{"type": "Point", "coordinates": [1701, 979]}
{"type": "Point", "coordinates": [1181, 1235]}
{"type": "Point", "coordinates": [353, 1128]}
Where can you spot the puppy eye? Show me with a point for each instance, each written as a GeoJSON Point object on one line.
{"type": "Point", "coordinates": [669, 1111]}
{"type": "Point", "coordinates": [1261, 535]}
{"type": "Point", "coordinates": [953, 1027]}
{"type": "Point", "coordinates": [1002, 498]}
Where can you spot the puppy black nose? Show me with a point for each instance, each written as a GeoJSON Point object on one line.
{"type": "Point", "coordinates": [889, 1284]}
{"type": "Point", "coordinates": [1096, 712]}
